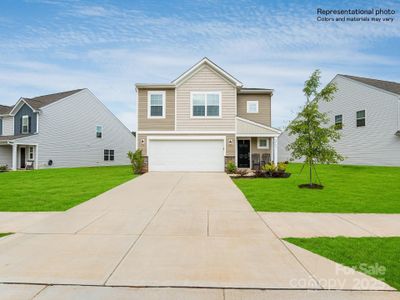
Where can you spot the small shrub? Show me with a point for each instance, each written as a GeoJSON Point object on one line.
{"type": "Point", "coordinates": [137, 161]}
{"type": "Point", "coordinates": [269, 167]}
{"type": "Point", "coordinates": [231, 167]}
{"type": "Point", "coordinates": [282, 167]}
{"type": "Point", "coordinates": [259, 173]}
{"type": "Point", "coordinates": [3, 168]}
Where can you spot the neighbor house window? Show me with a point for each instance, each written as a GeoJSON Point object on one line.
{"type": "Point", "coordinates": [361, 118]}
{"type": "Point", "coordinates": [263, 143]}
{"type": "Point", "coordinates": [338, 122]}
{"type": "Point", "coordinates": [99, 131]}
{"type": "Point", "coordinates": [252, 107]}
{"type": "Point", "coordinates": [25, 124]}
{"type": "Point", "coordinates": [206, 104]}
{"type": "Point", "coordinates": [108, 154]}
{"type": "Point", "coordinates": [30, 153]}
{"type": "Point", "coordinates": [156, 104]}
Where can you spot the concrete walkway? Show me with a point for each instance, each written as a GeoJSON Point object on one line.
{"type": "Point", "coordinates": [329, 224]}
{"type": "Point", "coordinates": [167, 230]}
{"type": "Point", "coordinates": [18, 221]}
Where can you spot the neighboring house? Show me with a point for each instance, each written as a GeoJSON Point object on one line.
{"type": "Point", "coordinates": [68, 129]}
{"type": "Point", "coordinates": [202, 120]}
{"type": "Point", "coordinates": [367, 114]}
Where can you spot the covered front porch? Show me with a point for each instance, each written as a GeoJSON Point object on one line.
{"type": "Point", "coordinates": [257, 144]}
{"type": "Point", "coordinates": [18, 156]}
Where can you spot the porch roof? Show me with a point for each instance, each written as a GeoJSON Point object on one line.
{"type": "Point", "coordinates": [249, 128]}
{"type": "Point", "coordinates": [6, 138]}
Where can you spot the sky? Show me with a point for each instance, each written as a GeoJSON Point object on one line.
{"type": "Point", "coordinates": [49, 46]}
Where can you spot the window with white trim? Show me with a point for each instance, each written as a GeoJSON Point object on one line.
{"type": "Point", "coordinates": [156, 104]}
{"type": "Point", "coordinates": [31, 154]}
{"type": "Point", "coordinates": [99, 131]}
{"type": "Point", "coordinates": [252, 107]}
{"type": "Point", "coordinates": [205, 104]}
{"type": "Point", "coordinates": [25, 124]}
{"type": "Point", "coordinates": [263, 143]}
{"type": "Point", "coordinates": [338, 122]}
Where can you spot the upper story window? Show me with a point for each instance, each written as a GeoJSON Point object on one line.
{"type": "Point", "coordinates": [360, 118]}
{"type": "Point", "coordinates": [252, 107]}
{"type": "Point", "coordinates": [263, 143]}
{"type": "Point", "coordinates": [338, 122]}
{"type": "Point", "coordinates": [99, 131]}
{"type": "Point", "coordinates": [156, 104]}
{"type": "Point", "coordinates": [25, 124]}
{"type": "Point", "coordinates": [205, 104]}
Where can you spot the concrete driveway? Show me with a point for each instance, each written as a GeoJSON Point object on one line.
{"type": "Point", "coordinates": [167, 230]}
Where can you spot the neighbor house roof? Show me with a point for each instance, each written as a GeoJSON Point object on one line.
{"type": "Point", "coordinates": [5, 109]}
{"type": "Point", "coordinates": [246, 127]}
{"type": "Point", "coordinates": [40, 101]}
{"type": "Point", "coordinates": [5, 138]}
{"type": "Point", "coordinates": [390, 86]}
{"type": "Point", "coordinates": [246, 90]}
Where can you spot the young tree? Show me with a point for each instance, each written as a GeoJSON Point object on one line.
{"type": "Point", "coordinates": [313, 136]}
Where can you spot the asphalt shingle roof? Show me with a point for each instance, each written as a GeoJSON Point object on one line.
{"type": "Point", "coordinates": [38, 102]}
{"type": "Point", "coordinates": [390, 86]}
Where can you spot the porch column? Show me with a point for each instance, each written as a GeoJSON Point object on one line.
{"type": "Point", "coordinates": [14, 157]}
{"type": "Point", "coordinates": [275, 150]}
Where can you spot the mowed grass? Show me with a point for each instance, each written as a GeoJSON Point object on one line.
{"type": "Point", "coordinates": [4, 234]}
{"type": "Point", "coordinates": [348, 189]}
{"type": "Point", "coordinates": [377, 257]}
{"type": "Point", "coordinates": [57, 189]}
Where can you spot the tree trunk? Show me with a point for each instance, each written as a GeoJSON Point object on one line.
{"type": "Point", "coordinates": [310, 173]}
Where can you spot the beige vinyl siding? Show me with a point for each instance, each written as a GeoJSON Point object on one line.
{"type": "Point", "coordinates": [264, 108]}
{"type": "Point", "coordinates": [230, 148]}
{"type": "Point", "coordinates": [206, 80]}
{"type": "Point", "coordinates": [254, 144]}
{"type": "Point", "coordinates": [167, 123]}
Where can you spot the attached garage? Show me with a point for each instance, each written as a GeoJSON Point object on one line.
{"type": "Point", "coordinates": [186, 154]}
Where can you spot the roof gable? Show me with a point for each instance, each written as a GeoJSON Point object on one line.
{"type": "Point", "coordinates": [246, 127]}
{"type": "Point", "coordinates": [205, 61]}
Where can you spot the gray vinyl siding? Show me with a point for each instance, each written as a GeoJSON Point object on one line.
{"type": "Point", "coordinates": [206, 80]}
{"type": "Point", "coordinates": [374, 144]}
{"type": "Point", "coordinates": [5, 155]}
{"type": "Point", "coordinates": [25, 110]}
{"type": "Point", "coordinates": [67, 134]}
{"type": "Point", "coordinates": [8, 126]}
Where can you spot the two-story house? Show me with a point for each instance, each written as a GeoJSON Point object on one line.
{"type": "Point", "coordinates": [68, 129]}
{"type": "Point", "coordinates": [202, 120]}
{"type": "Point", "coordinates": [366, 112]}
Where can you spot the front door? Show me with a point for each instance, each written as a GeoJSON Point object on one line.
{"type": "Point", "coordinates": [22, 150]}
{"type": "Point", "coordinates": [244, 153]}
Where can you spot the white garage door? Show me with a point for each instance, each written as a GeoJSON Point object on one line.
{"type": "Point", "coordinates": [186, 155]}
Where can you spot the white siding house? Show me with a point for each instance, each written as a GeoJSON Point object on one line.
{"type": "Point", "coordinates": [375, 143]}
{"type": "Point", "coordinates": [66, 134]}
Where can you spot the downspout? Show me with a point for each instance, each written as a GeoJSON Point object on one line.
{"type": "Point", "coordinates": [398, 118]}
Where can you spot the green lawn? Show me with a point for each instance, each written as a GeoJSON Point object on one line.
{"type": "Point", "coordinates": [4, 234]}
{"type": "Point", "coordinates": [377, 257]}
{"type": "Point", "coordinates": [356, 189]}
{"type": "Point", "coordinates": [57, 189]}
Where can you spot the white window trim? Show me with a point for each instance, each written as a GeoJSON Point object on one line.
{"type": "Point", "coordinates": [248, 105]}
{"type": "Point", "coordinates": [102, 132]}
{"type": "Point", "coordinates": [31, 152]}
{"type": "Point", "coordinates": [205, 116]}
{"type": "Point", "coordinates": [25, 117]}
{"type": "Point", "coordinates": [262, 147]}
{"type": "Point", "coordinates": [149, 93]}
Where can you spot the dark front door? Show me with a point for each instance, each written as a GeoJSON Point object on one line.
{"type": "Point", "coordinates": [22, 158]}
{"type": "Point", "coordinates": [243, 153]}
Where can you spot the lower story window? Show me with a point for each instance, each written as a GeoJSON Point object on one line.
{"type": "Point", "coordinates": [108, 154]}
{"type": "Point", "coordinates": [30, 153]}
{"type": "Point", "coordinates": [263, 143]}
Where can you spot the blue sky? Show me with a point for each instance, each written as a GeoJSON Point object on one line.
{"type": "Point", "coordinates": [107, 46]}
